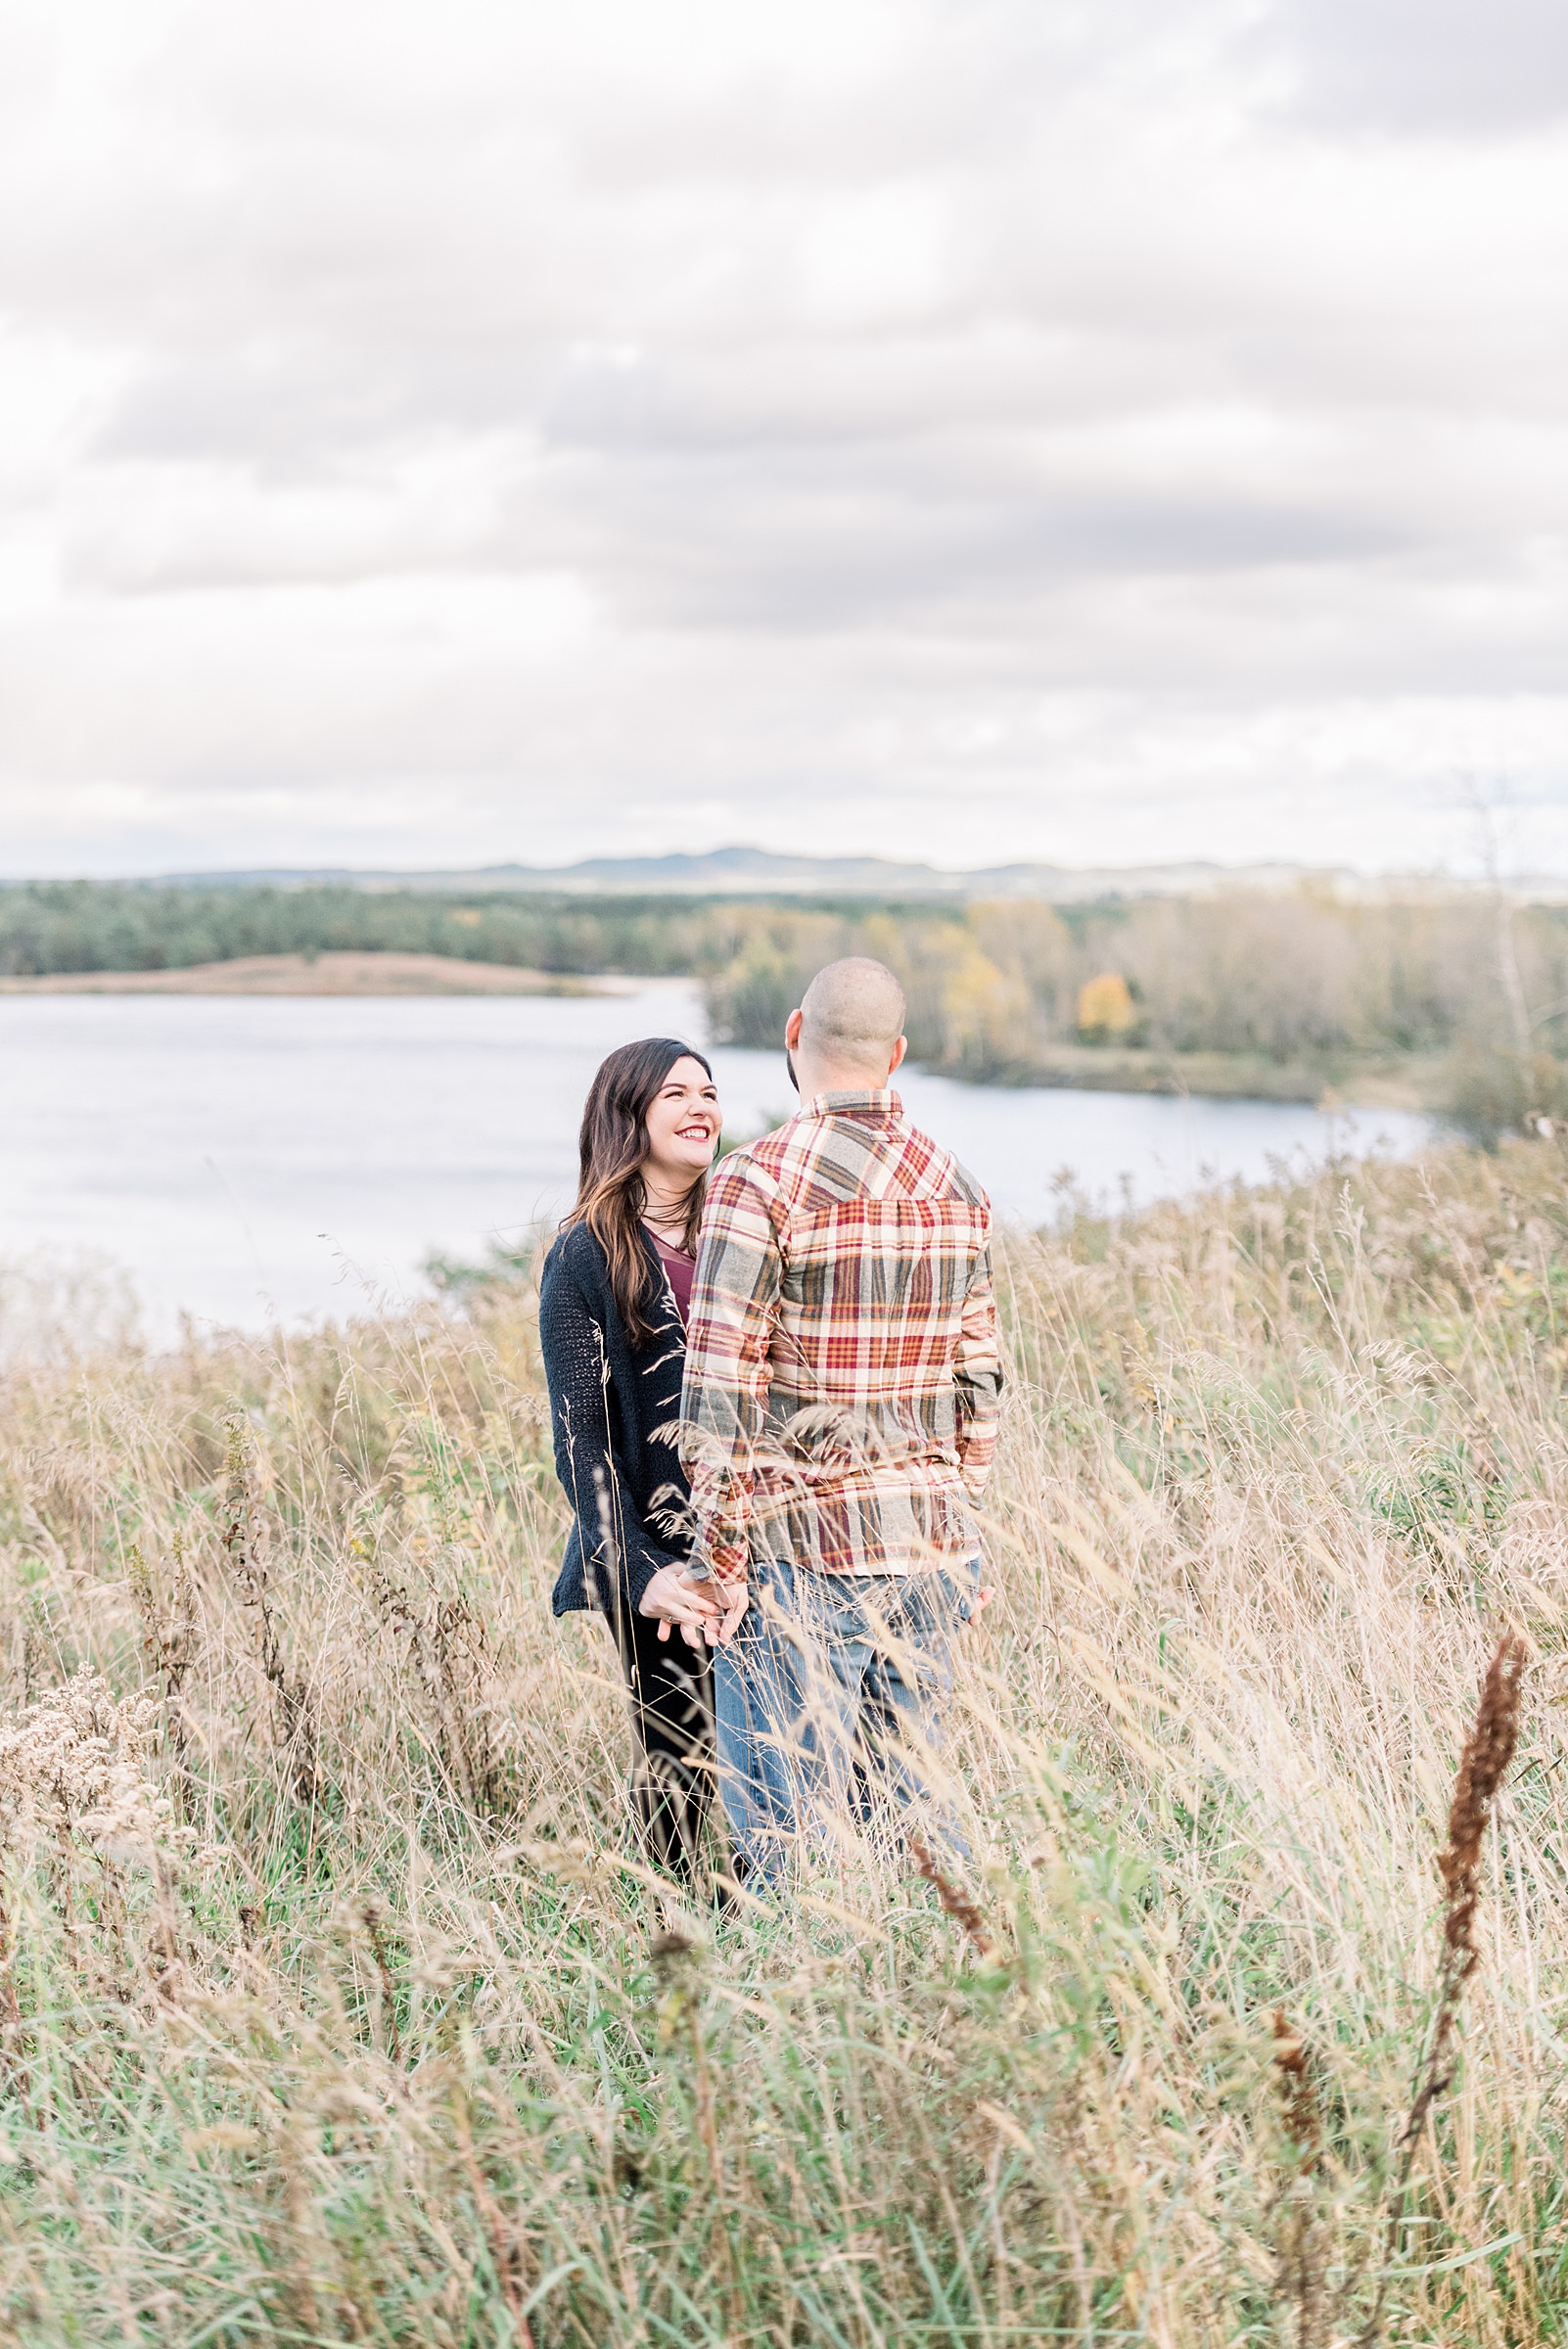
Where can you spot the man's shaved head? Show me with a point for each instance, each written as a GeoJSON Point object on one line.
{"type": "Point", "coordinates": [852, 1015]}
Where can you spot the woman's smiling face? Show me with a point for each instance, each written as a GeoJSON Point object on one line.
{"type": "Point", "coordinates": [683, 1121]}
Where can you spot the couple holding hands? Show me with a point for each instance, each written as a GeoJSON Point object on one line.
{"type": "Point", "coordinates": [774, 1393]}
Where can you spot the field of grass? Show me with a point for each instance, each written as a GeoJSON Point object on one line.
{"type": "Point", "coordinates": [335, 2005]}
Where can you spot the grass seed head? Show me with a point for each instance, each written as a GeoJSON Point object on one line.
{"type": "Point", "coordinates": [1482, 1766]}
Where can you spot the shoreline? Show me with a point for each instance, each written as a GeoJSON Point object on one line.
{"type": "Point", "coordinates": [350, 973]}
{"type": "Point", "coordinates": [1417, 1082]}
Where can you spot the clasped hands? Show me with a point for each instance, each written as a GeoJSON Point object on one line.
{"type": "Point", "coordinates": [706, 1613]}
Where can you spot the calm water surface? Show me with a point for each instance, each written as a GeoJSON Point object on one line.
{"type": "Point", "coordinates": [293, 1156]}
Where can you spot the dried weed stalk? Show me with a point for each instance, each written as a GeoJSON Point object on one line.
{"type": "Point", "coordinates": [450, 1652]}
{"type": "Point", "coordinates": [372, 1915]}
{"type": "Point", "coordinates": [1302, 2244]}
{"type": "Point", "coordinates": [504, 2237]}
{"type": "Point", "coordinates": [245, 1545]}
{"type": "Point", "coordinates": [1482, 1766]}
{"type": "Point", "coordinates": [955, 1902]}
{"type": "Point", "coordinates": [168, 1641]}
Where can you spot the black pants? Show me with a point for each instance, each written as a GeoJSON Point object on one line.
{"type": "Point", "coordinates": [671, 1689]}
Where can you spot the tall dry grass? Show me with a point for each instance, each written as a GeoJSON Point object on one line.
{"type": "Point", "coordinates": [336, 2004]}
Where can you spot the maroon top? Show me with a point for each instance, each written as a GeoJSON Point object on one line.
{"type": "Point", "coordinates": [678, 1270]}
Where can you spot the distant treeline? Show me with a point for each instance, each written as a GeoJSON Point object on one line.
{"type": "Point", "coordinates": [104, 926]}
{"type": "Point", "coordinates": [1298, 978]}
{"type": "Point", "coordinates": [993, 990]}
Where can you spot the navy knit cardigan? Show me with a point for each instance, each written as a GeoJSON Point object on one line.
{"type": "Point", "coordinates": [612, 1407]}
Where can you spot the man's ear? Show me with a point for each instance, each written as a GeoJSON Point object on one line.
{"type": "Point", "coordinates": [899, 1051]}
{"type": "Point", "coordinates": [792, 1031]}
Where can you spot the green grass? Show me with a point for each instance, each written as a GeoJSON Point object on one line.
{"type": "Point", "coordinates": [337, 2004]}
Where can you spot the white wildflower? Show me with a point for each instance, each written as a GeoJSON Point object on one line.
{"type": "Point", "coordinates": [78, 1759]}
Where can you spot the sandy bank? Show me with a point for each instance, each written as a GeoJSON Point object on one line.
{"type": "Point", "coordinates": [348, 974]}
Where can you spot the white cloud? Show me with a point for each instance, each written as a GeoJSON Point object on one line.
{"type": "Point", "coordinates": [1002, 428]}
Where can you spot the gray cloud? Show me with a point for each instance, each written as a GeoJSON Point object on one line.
{"type": "Point", "coordinates": [1466, 67]}
{"type": "Point", "coordinates": [519, 430]}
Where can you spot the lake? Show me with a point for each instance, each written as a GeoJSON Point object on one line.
{"type": "Point", "coordinates": [276, 1157]}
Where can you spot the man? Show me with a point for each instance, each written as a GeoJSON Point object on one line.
{"type": "Point", "coordinates": [838, 1420]}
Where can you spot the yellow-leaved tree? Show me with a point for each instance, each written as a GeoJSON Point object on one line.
{"type": "Point", "coordinates": [1105, 1007]}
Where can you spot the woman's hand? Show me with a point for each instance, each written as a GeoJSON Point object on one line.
{"type": "Point", "coordinates": [670, 1600]}
{"type": "Point", "coordinates": [729, 1600]}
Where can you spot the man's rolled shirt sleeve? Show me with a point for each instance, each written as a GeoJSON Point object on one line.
{"type": "Point", "coordinates": [978, 1378]}
{"type": "Point", "coordinates": [724, 1409]}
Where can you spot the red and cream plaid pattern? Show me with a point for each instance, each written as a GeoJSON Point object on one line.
{"type": "Point", "coordinates": [842, 1374]}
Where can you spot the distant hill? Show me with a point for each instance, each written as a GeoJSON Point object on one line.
{"type": "Point", "coordinates": [759, 872]}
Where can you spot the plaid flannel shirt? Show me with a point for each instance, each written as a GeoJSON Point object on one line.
{"type": "Point", "coordinates": [843, 1373]}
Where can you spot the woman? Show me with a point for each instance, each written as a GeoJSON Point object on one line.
{"type": "Point", "coordinates": [613, 1304]}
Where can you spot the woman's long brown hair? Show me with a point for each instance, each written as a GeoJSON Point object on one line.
{"type": "Point", "coordinates": [612, 1151]}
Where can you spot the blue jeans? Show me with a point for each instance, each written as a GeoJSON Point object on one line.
{"type": "Point", "coordinates": [829, 1702]}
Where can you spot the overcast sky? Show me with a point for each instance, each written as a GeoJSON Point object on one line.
{"type": "Point", "coordinates": [969, 429]}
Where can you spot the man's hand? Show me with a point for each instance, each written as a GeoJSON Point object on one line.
{"type": "Point", "coordinates": [728, 1600]}
{"type": "Point", "coordinates": [694, 1606]}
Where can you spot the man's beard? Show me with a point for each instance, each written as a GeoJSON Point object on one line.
{"type": "Point", "coordinates": [789, 1063]}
